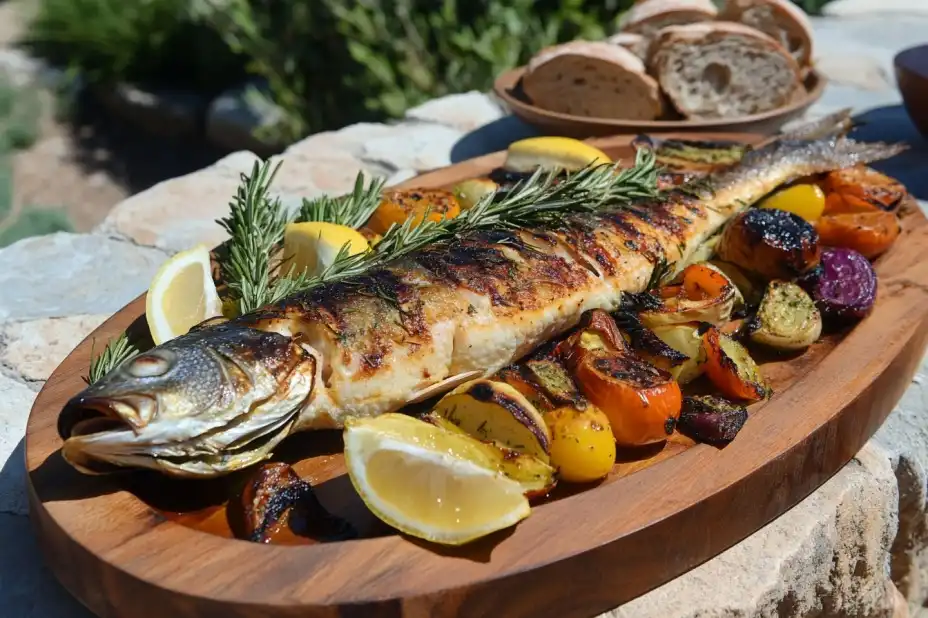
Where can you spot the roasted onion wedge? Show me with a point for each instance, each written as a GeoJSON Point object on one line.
{"type": "Point", "coordinates": [787, 318]}
{"type": "Point", "coordinates": [496, 412]}
{"type": "Point", "coordinates": [687, 340]}
{"type": "Point", "coordinates": [711, 419]}
{"type": "Point", "coordinates": [704, 294]}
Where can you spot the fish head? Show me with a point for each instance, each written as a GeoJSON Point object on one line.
{"type": "Point", "coordinates": [207, 403]}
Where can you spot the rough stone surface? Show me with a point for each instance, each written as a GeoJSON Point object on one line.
{"type": "Point", "coordinates": [464, 112]}
{"type": "Point", "coordinates": [71, 274]}
{"type": "Point", "coordinates": [235, 116]}
{"type": "Point", "coordinates": [33, 349]}
{"type": "Point", "coordinates": [178, 213]}
{"type": "Point", "coordinates": [419, 147]}
{"type": "Point", "coordinates": [15, 402]}
{"type": "Point", "coordinates": [170, 113]}
{"type": "Point", "coordinates": [904, 436]}
{"type": "Point", "coordinates": [826, 557]}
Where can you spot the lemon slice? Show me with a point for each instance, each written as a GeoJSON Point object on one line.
{"type": "Point", "coordinates": [429, 482]}
{"type": "Point", "coordinates": [312, 246]}
{"type": "Point", "coordinates": [552, 152]}
{"type": "Point", "coordinates": [181, 295]}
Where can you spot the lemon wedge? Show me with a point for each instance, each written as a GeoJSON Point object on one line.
{"type": "Point", "coordinates": [429, 482]}
{"type": "Point", "coordinates": [181, 295]}
{"type": "Point", "coordinates": [312, 246]}
{"type": "Point", "coordinates": [552, 152]}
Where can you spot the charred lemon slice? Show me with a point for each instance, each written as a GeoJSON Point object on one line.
{"type": "Point", "coordinates": [552, 152]}
{"type": "Point", "coordinates": [312, 246]}
{"type": "Point", "coordinates": [429, 482]}
{"type": "Point", "coordinates": [181, 295]}
{"type": "Point", "coordinates": [415, 204]}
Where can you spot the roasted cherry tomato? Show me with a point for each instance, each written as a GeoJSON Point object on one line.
{"type": "Point", "coordinates": [805, 200]}
{"type": "Point", "coordinates": [861, 189]}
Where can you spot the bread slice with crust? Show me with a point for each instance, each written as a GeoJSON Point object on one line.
{"type": "Point", "coordinates": [780, 19]}
{"type": "Point", "coordinates": [635, 43]}
{"type": "Point", "coordinates": [722, 70]}
{"type": "Point", "coordinates": [648, 17]}
{"type": "Point", "coordinates": [592, 79]}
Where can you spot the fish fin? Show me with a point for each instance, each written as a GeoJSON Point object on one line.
{"type": "Point", "coordinates": [445, 385]}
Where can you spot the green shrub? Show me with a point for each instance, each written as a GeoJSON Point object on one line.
{"type": "Point", "coordinates": [329, 62]}
{"type": "Point", "coordinates": [144, 41]}
{"type": "Point", "coordinates": [35, 222]}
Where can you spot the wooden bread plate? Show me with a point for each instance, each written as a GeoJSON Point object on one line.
{"type": "Point", "coordinates": [141, 545]}
{"type": "Point", "coordinates": [508, 88]}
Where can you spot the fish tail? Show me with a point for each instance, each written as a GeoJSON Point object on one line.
{"type": "Point", "coordinates": [835, 124]}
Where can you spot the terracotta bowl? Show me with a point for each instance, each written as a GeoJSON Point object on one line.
{"type": "Point", "coordinates": [912, 77]}
{"type": "Point", "coordinates": [508, 87]}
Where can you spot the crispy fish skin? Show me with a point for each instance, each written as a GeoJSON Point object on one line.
{"type": "Point", "coordinates": [445, 314]}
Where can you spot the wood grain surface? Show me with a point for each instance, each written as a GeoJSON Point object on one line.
{"type": "Point", "coordinates": [140, 545]}
{"type": "Point", "coordinates": [508, 88]}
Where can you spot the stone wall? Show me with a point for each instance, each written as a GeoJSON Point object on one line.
{"type": "Point", "coordinates": [855, 547]}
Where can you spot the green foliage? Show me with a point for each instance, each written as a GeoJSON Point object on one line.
{"type": "Point", "coordinates": [328, 62]}
{"type": "Point", "coordinates": [145, 41]}
{"type": "Point", "coordinates": [35, 222]}
{"type": "Point", "coordinates": [19, 128]}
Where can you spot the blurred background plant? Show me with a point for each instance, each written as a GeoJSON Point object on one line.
{"type": "Point", "coordinates": [19, 128]}
{"type": "Point", "coordinates": [325, 63]}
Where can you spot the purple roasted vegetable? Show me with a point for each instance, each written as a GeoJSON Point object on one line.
{"type": "Point", "coordinates": [844, 287]}
{"type": "Point", "coordinates": [711, 419]}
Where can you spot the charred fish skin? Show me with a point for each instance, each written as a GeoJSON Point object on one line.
{"type": "Point", "coordinates": [442, 315]}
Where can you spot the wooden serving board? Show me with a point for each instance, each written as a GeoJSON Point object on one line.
{"type": "Point", "coordinates": [140, 545]}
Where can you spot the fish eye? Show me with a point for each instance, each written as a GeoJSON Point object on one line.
{"type": "Point", "coordinates": [149, 365]}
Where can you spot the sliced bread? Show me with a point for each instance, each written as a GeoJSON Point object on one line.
{"type": "Point", "coordinates": [635, 43]}
{"type": "Point", "coordinates": [781, 19]}
{"type": "Point", "coordinates": [722, 70]}
{"type": "Point", "coordinates": [592, 79]}
{"type": "Point", "coordinates": [648, 17]}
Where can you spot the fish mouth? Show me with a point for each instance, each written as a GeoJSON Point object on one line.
{"type": "Point", "coordinates": [83, 416]}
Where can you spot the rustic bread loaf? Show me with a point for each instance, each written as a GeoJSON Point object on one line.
{"type": "Point", "coordinates": [635, 43]}
{"type": "Point", "coordinates": [593, 79]}
{"type": "Point", "coordinates": [722, 70]}
{"type": "Point", "coordinates": [780, 19]}
{"type": "Point", "coordinates": [648, 17]}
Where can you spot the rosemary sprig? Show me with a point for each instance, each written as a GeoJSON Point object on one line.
{"type": "Point", "coordinates": [544, 199]}
{"type": "Point", "coordinates": [352, 210]}
{"type": "Point", "coordinates": [114, 354]}
{"type": "Point", "coordinates": [255, 226]}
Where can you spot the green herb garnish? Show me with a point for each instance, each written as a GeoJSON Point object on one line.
{"type": "Point", "coordinates": [114, 354]}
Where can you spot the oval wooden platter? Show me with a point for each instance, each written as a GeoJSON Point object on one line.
{"type": "Point", "coordinates": [141, 545]}
{"type": "Point", "coordinates": [508, 88]}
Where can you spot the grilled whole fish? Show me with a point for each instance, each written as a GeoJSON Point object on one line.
{"type": "Point", "coordinates": [221, 397]}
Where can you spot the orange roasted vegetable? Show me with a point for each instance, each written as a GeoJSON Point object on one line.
{"type": "Point", "coordinates": [398, 206]}
{"type": "Point", "coordinates": [868, 233]}
{"type": "Point", "coordinates": [730, 368]}
{"type": "Point", "coordinates": [861, 189]}
{"type": "Point", "coordinates": [641, 401]}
